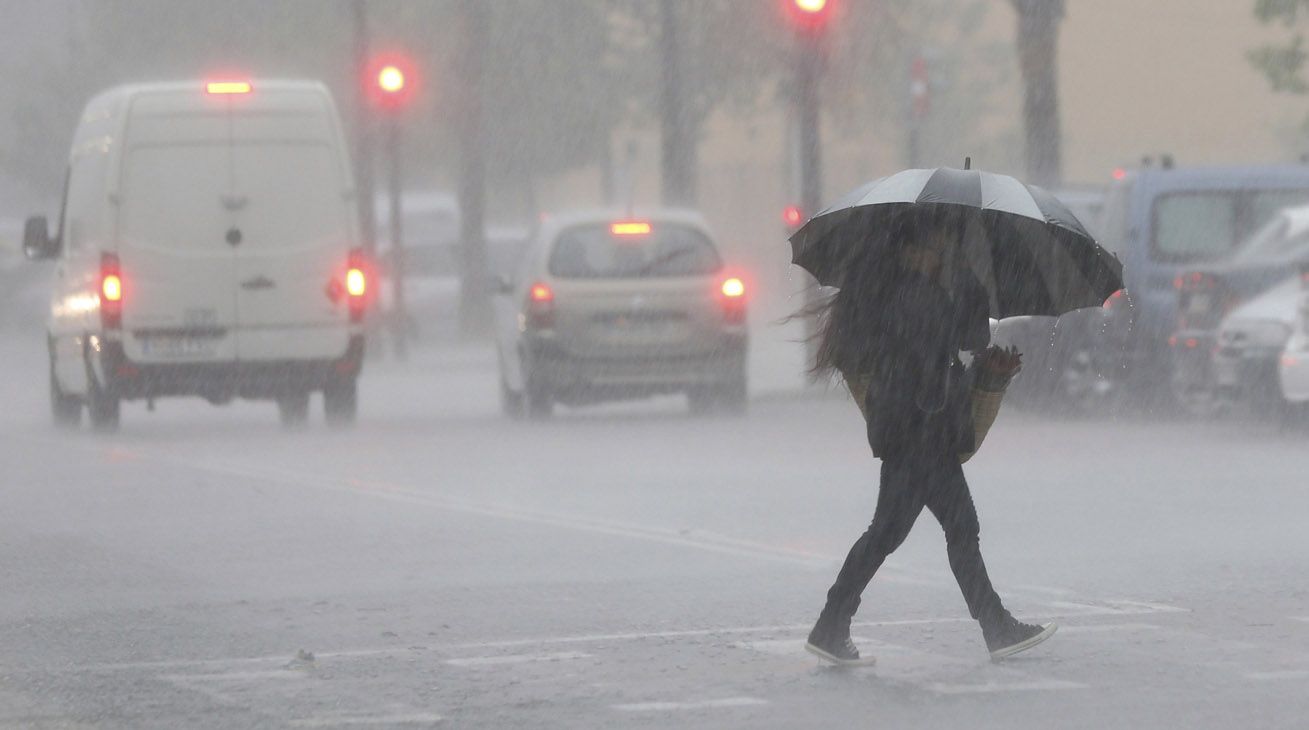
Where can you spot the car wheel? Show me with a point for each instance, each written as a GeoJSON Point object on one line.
{"type": "Point", "coordinates": [103, 409]}
{"type": "Point", "coordinates": [341, 402]}
{"type": "Point", "coordinates": [293, 409]}
{"type": "Point", "coordinates": [511, 402]}
{"type": "Point", "coordinates": [66, 409]}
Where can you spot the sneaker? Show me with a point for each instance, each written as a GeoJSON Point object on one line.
{"type": "Point", "coordinates": [840, 651]}
{"type": "Point", "coordinates": [1013, 636]}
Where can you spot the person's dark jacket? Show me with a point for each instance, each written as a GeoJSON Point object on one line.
{"type": "Point", "coordinates": [918, 402]}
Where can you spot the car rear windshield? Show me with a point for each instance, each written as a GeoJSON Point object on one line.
{"type": "Point", "coordinates": [595, 251]}
{"type": "Point", "coordinates": [1200, 226]}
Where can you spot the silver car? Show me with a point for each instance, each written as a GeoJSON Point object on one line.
{"type": "Point", "coordinates": [606, 306]}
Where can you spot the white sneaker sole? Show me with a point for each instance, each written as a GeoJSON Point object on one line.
{"type": "Point", "coordinates": [1047, 630]}
{"type": "Point", "coordinates": [863, 661]}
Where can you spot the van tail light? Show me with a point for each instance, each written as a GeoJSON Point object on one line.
{"type": "Point", "coordinates": [1202, 301]}
{"type": "Point", "coordinates": [731, 295]}
{"type": "Point", "coordinates": [111, 291]}
{"type": "Point", "coordinates": [357, 287]}
{"type": "Point", "coordinates": [540, 306]}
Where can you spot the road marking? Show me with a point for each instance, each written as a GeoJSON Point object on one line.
{"type": "Point", "coordinates": [422, 718]}
{"type": "Point", "coordinates": [486, 661]}
{"type": "Point", "coordinates": [997, 686]}
{"type": "Point", "coordinates": [701, 705]}
{"type": "Point", "coordinates": [1107, 628]}
{"type": "Point", "coordinates": [694, 538]}
{"type": "Point", "coordinates": [1278, 675]}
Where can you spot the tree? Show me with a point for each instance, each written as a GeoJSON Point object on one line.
{"type": "Point", "coordinates": [1038, 36]}
{"type": "Point", "coordinates": [1282, 63]}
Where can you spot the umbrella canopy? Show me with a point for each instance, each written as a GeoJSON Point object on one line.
{"type": "Point", "coordinates": [1030, 253]}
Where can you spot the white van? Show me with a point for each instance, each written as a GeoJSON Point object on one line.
{"type": "Point", "coordinates": [206, 247]}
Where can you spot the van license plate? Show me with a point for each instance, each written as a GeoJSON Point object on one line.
{"type": "Point", "coordinates": [178, 346]}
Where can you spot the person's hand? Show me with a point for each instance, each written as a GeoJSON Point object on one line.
{"type": "Point", "coordinates": [1005, 361]}
{"type": "Point", "coordinates": [996, 366]}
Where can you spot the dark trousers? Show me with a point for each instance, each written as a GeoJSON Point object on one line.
{"type": "Point", "coordinates": [908, 485]}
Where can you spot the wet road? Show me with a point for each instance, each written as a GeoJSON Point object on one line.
{"type": "Point", "coordinates": [440, 566]}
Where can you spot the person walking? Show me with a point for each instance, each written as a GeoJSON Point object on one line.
{"type": "Point", "coordinates": [894, 331]}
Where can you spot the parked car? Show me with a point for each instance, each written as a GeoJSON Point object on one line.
{"type": "Point", "coordinates": [432, 268]}
{"type": "Point", "coordinates": [1049, 345]}
{"type": "Point", "coordinates": [206, 247]}
{"type": "Point", "coordinates": [607, 306]}
{"type": "Point", "coordinates": [1208, 294]}
{"type": "Point", "coordinates": [1249, 345]}
{"type": "Point", "coordinates": [1163, 222]}
{"type": "Point", "coordinates": [1293, 367]}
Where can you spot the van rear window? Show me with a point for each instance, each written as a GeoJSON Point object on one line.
{"type": "Point", "coordinates": [595, 251]}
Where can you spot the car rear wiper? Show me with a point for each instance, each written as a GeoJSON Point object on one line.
{"type": "Point", "coordinates": [674, 254]}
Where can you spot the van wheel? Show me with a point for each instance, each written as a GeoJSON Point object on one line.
{"type": "Point", "coordinates": [66, 409]}
{"type": "Point", "coordinates": [103, 409]}
{"type": "Point", "coordinates": [293, 409]}
{"type": "Point", "coordinates": [735, 396]}
{"type": "Point", "coordinates": [341, 402]}
{"type": "Point", "coordinates": [511, 401]}
{"type": "Point", "coordinates": [540, 404]}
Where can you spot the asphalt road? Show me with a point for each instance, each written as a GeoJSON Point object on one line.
{"type": "Point", "coordinates": [626, 567]}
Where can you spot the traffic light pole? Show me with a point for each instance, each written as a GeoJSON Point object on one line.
{"type": "Point", "coordinates": [400, 313]}
{"type": "Point", "coordinates": [808, 72]}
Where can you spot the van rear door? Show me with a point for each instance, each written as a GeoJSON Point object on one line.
{"type": "Point", "coordinates": [295, 236]}
{"type": "Point", "coordinates": [178, 270]}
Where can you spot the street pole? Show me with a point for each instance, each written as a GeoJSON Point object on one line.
{"type": "Point", "coordinates": [677, 151]}
{"type": "Point", "coordinates": [401, 313]}
{"type": "Point", "coordinates": [808, 73]}
{"type": "Point", "coordinates": [919, 101]}
{"type": "Point", "coordinates": [363, 139]}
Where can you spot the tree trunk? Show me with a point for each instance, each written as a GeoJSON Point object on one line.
{"type": "Point", "coordinates": [677, 134]}
{"type": "Point", "coordinates": [1038, 35]}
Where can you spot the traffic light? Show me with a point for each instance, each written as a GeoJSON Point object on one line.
{"type": "Point", "coordinates": [810, 15]}
{"type": "Point", "coordinates": [390, 82]}
{"type": "Point", "coordinates": [792, 216]}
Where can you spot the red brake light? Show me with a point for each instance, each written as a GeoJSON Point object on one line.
{"type": "Point", "coordinates": [111, 287]}
{"type": "Point", "coordinates": [1119, 173]}
{"type": "Point", "coordinates": [542, 293]}
{"type": "Point", "coordinates": [733, 288]}
{"type": "Point", "coordinates": [540, 306]}
{"type": "Point", "coordinates": [356, 284]}
{"type": "Point", "coordinates": [228, 87]}
{"type": "Point", "coordinates": [630, 228]}
{"type": "Point", "coordinates": [111, 291]}
{"type": "Point", "coordinates": [792, 216]}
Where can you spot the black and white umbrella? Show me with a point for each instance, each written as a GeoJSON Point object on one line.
{"type": "Point", "coordinates": [1031, 254]}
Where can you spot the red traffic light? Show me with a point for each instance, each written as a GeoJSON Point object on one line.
{"type": "Point", "coordinates": [810, 15]}
{"type": "Point", "coordinates": [389, 82]}
{"type": "Point", "coordinates": [792, 216]}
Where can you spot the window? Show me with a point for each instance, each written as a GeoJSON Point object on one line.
{"type": "Point", "coordinates": [594, 252]}
{"type": "Point", "coordinates": [1194, 226]}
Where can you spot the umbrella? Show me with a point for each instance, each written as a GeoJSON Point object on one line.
{"type": "Point", "coordinates": [1029, 252]}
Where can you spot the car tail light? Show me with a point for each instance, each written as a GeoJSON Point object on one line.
{"type": "Point", "coordinates": [731, 294]}
{"type": "Point", "coordinates": [1202, 301]}
{"type": "Point", "coordinates": [356, 284]}
{"type": "Point", "coordinates": [1117, 299]}
{"type": "Point", "coordinates": [111, 291]}
{"type": "Point", "coordinates": [540, 306]}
